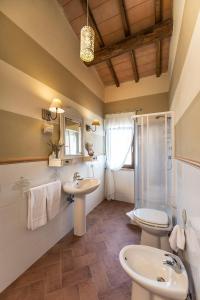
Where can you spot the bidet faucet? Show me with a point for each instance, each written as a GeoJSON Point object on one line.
{"type": "Point", "coordinates": [173, 263]}
{"type": "Point", "coordinates": [77, 176]}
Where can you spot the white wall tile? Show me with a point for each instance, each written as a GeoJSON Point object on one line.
{"type": "Point", "coordinates": [188, 197]}
{"type": "Point", "coordinates": [20, 248]}
{"type": "Point", "coordinates": [124, 185]}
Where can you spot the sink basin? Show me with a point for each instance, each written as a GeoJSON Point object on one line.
{"type": "Point", "coordinates": [84, 186]}
{"type": "Point", "coordinates": [151, 278]}
{"type": "Point", "coordinates": [80, 188]}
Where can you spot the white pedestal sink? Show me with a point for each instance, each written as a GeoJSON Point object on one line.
{"type": "Point", "coordinates": [80, 188]}
{"type": "Point", "coordinates": [152, 279]}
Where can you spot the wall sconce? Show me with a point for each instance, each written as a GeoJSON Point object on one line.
{"type": "Point", "coordinates": [95, 123]}
{"type": "Point", "coordinates": [55, 107]}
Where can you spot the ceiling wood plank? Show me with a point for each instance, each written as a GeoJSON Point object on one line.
{"type": "Point", "coordinates": [158, 58]}
{"type": "Point", "coordinates": [99, 38]}
{"type": "Point", "coordinates": [134, 66]}
{"type": "Point", "coordinates": [143, 38]}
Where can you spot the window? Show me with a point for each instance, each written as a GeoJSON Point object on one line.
{"type": "Point", "coordinates": [129, 162]}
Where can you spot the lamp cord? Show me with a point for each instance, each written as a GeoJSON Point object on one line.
{"type": "Point", "coordinates": [87, 12]}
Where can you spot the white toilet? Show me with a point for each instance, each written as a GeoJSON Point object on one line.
{"type": "Point", "coordinates": [155, 225]}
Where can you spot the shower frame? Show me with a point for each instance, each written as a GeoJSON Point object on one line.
{"type": "Point", "coordinates": [139, 179]}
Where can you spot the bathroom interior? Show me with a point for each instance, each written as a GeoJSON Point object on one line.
{"type": "Point", "coordinates": [99, 150]}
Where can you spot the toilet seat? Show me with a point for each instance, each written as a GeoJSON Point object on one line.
{"type": "Point", "coordinates": [151, 217]}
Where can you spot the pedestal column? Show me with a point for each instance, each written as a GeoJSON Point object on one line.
{"type": "Point", "coordinates": [79, 216]}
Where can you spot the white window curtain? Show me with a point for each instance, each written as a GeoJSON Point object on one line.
{"type": "Point", "coordinates": [119, 136]}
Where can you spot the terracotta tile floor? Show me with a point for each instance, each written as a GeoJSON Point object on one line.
{"type": "Point", "coordinates": [85, 268]}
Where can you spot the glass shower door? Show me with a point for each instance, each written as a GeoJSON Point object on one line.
{"type": "Point", "coordinates": [153, 161]}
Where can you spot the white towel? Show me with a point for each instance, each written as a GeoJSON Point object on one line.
{"type": "Point", "coordinates": [53, 199]}
{"type": "Point", "coordinates": [177, 238]}
{"type": "Point", "coordinates": [181, 238]}
{"type": "Point", "coordinates": [37, 211]}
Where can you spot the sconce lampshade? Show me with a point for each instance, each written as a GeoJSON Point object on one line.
{"type": "Point", "coordinates": [87, 44]}
{"type": "Point", "coordinates": [96, 122]}
{"type": "Point", "coordinates": [56, 106]}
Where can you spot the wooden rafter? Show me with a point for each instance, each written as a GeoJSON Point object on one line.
{"type": "Point", "coordinates": [112, 71]}
{"type": "Point", "coordinates": [125, 22]}
{"type": "Point", "coordinates": [158, 19]}
{"type": "Point", "coordinates": [100, 39]}
{"type": "Point", "coordinates": [158, 11]}
{"type": "Point", "coordinates": [143, 38]}
{"type": "Point", "coordinates": [127, 32]}
{"type": "Point", "coordinates": [134, 66]}
{"type": "Point", "coordinates": [158, 58]}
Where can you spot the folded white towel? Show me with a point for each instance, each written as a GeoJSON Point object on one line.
{"type": "Point", "coordinates": [177, 238]}
{"type": "Point", "coordinates": [181, 238]}
{"type": "Point", "coordinates": [53, 198]}
{"type": "Point", "coordinates": [37, 212]}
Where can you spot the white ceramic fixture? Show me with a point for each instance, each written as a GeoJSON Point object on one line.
{"type": "Point", "coordinates": [153, 275]}
{"type": "Point", "coordinates": [79, 188]}
{"type": "Point", "coordinates": [155, 225]}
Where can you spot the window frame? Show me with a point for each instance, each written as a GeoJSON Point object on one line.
{"type": "Point", "coordinates": [131, 166]}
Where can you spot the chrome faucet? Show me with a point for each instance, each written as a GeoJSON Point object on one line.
{"type": "Point", "coordinates": [77, 176]}
{"type": "Point", "coordinates": [172, 262]}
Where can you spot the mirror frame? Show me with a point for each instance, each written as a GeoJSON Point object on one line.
{"type": "Point", "coordinates": [77, 118]}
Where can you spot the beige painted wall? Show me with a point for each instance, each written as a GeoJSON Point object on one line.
{"type": "Point", "coordinates": [185, 101]}
{"type": "Point", "coordinates": [191, 11]}
{"type": "Point", "coordinates": [187, 132]}
{"type": "Point", "coordinates": [26, 86]}
{"type": "Point", "coordinates": [22, 137]}
{"type": "Point", "coordinates": [151, 85]}
{"type": "Point", "coordinates": [178, 9]}
{"type": "Point", "coordinates": [24, 97]}
{"type": "Point", "coordinates": [29, 57]}
{"type": "Point", "coordinates": [149, 104]}
{"type": "Point", "coordinates": [45, 22]}
{"type": "Point", "coordinates": [184, 89]}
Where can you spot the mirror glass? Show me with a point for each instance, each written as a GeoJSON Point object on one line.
{"type": "Point", "coordinates": [72, 137]}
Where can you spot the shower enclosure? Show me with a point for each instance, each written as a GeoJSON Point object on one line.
{"type": "Point", "coordinates": [154, 144]}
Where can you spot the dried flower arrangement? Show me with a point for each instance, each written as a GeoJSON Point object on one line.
{"type": "Point", "coordinates": [55, 148]}
{"type": "Point", "coordinates": [89, 148]}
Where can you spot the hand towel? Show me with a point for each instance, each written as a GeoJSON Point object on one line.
{"type": "Point", "coordinates": [177, 238]}
{"type": "Point", "coordinates": [37, 207]}
{"type": "Point", "coordinates": [173, 239]}
{"type": "Point", "coordinates": [53, 198]}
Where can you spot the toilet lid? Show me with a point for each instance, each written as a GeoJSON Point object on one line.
{"type": "Point", "coordinates": [152, 217]}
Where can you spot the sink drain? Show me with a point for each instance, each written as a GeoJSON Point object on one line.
{"type": "Point", "coordinates": [161, 279]}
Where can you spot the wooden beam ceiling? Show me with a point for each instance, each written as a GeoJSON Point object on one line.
{"type": "Point", "coordinates": [134, 66]}
{"type": "Point", "coordinates": [158, 11]}
{"type": "Point", "coordinates": [100, 39]}
{"type": "Point", "coordinates": [125, 22]}
{"type": "Point", "coordinates": [112, 71]}
{"type": "Point", "coordinates": [127, 32]}
{"type": "Point", "coordinates": [148, 36]}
